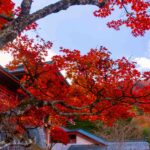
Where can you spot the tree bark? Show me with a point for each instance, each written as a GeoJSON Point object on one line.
{"type": "Point", "coordinates": [15, 27]}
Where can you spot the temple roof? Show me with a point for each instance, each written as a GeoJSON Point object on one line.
{"type": "Point", "coordinates": [8, 80]}
{"type": "Point", "coordinates": [19, 72]}
{"type": "Point", "coordinates": [88, 135]}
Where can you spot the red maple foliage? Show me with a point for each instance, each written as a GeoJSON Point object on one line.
{"type": "Point", "coordinates": [137, 15]}
{"type": "Point", "coordinates": [109, 86]}
{"type": "Point", "coordinates": [6, 9]}
{"type": "Point", "coordinates": [58, 135]}
{"type": "Point", "coordinates": [101, 88]}
{"type": "Point", "coordinates": [8, 99]}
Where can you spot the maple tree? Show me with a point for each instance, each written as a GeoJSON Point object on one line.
{"type": "Point", "coordinates": [50, 100]}
{"type": "Point", "coordinates": [47, 97]}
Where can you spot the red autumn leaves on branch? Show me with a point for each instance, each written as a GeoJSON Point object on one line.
{"type": "Point", "coordinates": [6, 9]}
{"type": "Point", "coordinates": [101, 88]}
{"type": "Point", "coordinates": [137, 16]}
{"type": "Point", "coordinates": [111, 86]}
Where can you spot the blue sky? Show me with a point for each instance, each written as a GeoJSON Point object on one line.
{"type": "Point", "coordinates": [77, 28]}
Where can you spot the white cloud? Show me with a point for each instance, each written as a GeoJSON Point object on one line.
{"type": "Point", "coordinates": [149, 48]}
{"type": "Point", "coordinates": [4, 58]}
{"type": "Point", "coordinates": [51, 53]}
{"type": "Point", "coordinates": [143, 63]}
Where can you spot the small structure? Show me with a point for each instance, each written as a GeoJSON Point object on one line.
{"type": "Point", "coordinates": [83, 140]}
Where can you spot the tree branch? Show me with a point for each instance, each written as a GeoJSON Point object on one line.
{"type": "Point", "coordinates": [25, 7]}
{"type": "Point", "coordinates": [68, 106]}
{"type": "Point", "coordinates": [126, 10]}
{"type": "Point", "coordinates": [20, 23]}
{"type": "Point", "coordinates": [61, 5]}
{"type": "Point", "coordinates": [6, 17]}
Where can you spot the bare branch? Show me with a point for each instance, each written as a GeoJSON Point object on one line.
{"type": "Point", "coordinates": [26, 91]}
{"type": "Point", "coordinates": [126, 10]}
{"type": "Point", "coordinates": [99, 112]}
{"type": "Point", "coordinates": [6, 17]}
{"type": "Point", "coordinates": [62, 5]}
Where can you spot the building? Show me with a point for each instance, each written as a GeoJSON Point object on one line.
{"type": "Point", "coordinates": [8, 86]}
{"type": "Point", "coordinates": [83, 140]}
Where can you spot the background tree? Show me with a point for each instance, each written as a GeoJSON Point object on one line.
{"type": "Point", "coordinates": [120, 131]}
{"type": "Point", "coordinates": [82, 124]}
{"type": "Point", "coordinates": [143, 124]}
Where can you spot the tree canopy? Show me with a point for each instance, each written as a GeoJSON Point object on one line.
{"type": "Point", "coordinates": [101, 88]}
